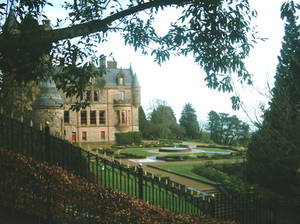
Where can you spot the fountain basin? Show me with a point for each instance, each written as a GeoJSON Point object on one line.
{"type": "Point", "coordinates": [174, 149]}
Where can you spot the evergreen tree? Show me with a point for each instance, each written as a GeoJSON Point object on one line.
{"type": "Point", "coordinates": [188, 121]}
{"type": "Point", "coordinates": [144, 124]}
{"type": "Point", "coordinates": [274, 151]}
{"type": "Point", "coordinates": [163, 123]}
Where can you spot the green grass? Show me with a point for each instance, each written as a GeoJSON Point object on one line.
{"type": "Point", "coordinates": [139, 151]}
{"type": "Point", "coordinates": [184, 169]}
{"type": "Point", "coordinates": [154, 193]}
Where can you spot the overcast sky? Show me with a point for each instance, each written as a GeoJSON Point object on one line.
{"type": "Point", "coordinates": [180, 80]}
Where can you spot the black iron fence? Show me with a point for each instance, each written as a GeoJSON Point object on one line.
{"type": "Point", "coordinates": [36, 142]}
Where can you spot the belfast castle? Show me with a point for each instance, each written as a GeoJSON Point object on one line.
{"type": "Point", "coordinates": [113, 109]}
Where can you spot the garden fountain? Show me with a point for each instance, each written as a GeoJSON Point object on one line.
{"type": "Point", "coordinates": [174, 149]}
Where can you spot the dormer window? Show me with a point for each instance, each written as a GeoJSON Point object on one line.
{"type": "Point", "coordinates": [121, 81]}
{"type": "Point", "coordinates": [120, 78]}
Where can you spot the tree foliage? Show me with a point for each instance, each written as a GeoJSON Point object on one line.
{"type": "Point", "coordinates": [163, 123]}
{"type": "Point", "coordinates": [215, 32]}
{"type": "Point", "coordinates": [227, 130]}
{"type": "Point", "coordinates": [189, 122]}
{"type": "Point", "coordinates": [144, 124]}
{"type": "Point", "coordinates": [274, 151]}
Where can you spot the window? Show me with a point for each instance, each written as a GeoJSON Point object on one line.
{"type": "Point", "coordinates": [118, 117]}
{"type": "Point", "coordinates": [102, 117]}
{"type": "Point", "coordinates": [122, 117]}
{"type": "Point", "coordinates": [83, 117]}
{"type": "Point", "coordinates": [95, 96]}
{"type": "Point", "coordinates": [66, 117]}
{"type": "Point", "coordinates": [102, 135]}
{"type": "Point", "coordinates": [121, 81]}
{"type": "Point", "coordinates": [88, 95]}
{"type": "Point", "coordinates": [84, 136]}
{"type": "Point", "coordinates": [122, 95]}
{"type": "Point", "coordinates": [93, 117]}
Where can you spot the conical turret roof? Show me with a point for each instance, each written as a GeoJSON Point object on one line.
{"type": "Point", "coordinates": [48, 96]}
{"type": "Point", "coordinates": [135, 82]}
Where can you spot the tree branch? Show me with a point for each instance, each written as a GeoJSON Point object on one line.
{"type": "Point", "coordinates": [50, 36]}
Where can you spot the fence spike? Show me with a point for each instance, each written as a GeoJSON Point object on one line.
{"type": "Point", "coordinates": [41, 127]}
{"type": "Point", "coordinates": [22, 119]}
{"type": "Point", "coordinates": [166, 181]}
{"type": "Point", "coordinates": [31, 123]}
{"type": "Point", "coordinates": [12, 115]}
{"type": "Point", "coordinates": [1, 110]}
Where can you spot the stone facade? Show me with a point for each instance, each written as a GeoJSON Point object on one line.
{"type": "Point", "coordinates": [112, 109]}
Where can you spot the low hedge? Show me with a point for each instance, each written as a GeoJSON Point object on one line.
{"type": "Point", "coordinates": [128, 155]}
{"type": "Point", "coordinates": [227, 183]}
{"type": "Point", "coordinates": [62, 197]}
{"type": "Point", "coordinates": [193, 157]}
{"type": "Point", "coordinates": [128, 138]}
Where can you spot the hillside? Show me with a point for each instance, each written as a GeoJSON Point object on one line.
{"type": "Point", "coordinates": [51, 193]}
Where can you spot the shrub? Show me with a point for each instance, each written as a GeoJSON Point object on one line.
{"type": "Point", "coordinates": [128, 138]}
{"type": "Point", "coordinates": [110, 151]}
{"type": "Point", "coordinates": [132, 155]}
{"type": "Point", "coordinates": [228, 183]}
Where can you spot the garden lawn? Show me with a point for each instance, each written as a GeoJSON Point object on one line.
{"type": "Point", "coordinates": [184, 169]}
{"type": "Point", "coordinates": [139, 151]}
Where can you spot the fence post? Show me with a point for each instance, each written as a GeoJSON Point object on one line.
{"type": "Point", "coordinates": [47, 142]}
{"type": "Point", "coordinates": [212, 202]}
{"type": "Point", "coordinates": [140, 180]}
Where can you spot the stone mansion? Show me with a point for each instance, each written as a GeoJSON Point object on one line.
{"type": "Point", "coordinates": [113, 109]}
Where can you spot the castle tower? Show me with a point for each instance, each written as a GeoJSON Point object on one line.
{"type": "Point", "coordinates": [136, 91]}
{"type": "Point", "coordinates": [48, 107]}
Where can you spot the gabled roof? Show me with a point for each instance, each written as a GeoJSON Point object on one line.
{"type": "Point", "coordinates": [111, 75]}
